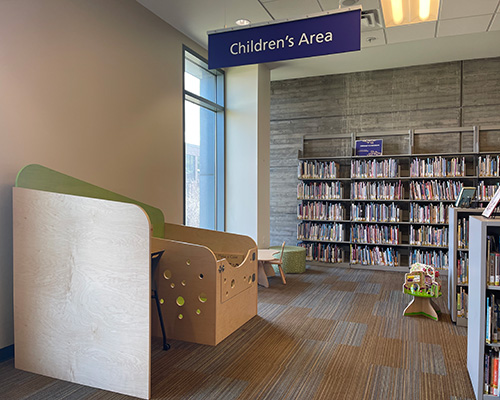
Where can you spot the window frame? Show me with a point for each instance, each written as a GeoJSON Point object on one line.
{"type": "Point", "coordinates": [218, 108]}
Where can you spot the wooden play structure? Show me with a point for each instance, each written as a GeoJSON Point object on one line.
{"type": "Point", "coordinates": [422, 284]}
{"type": "Point", "coordinates": [83, 307]}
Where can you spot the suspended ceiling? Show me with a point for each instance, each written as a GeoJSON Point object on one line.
{"type": "Point", "coordinates": [465, 29]}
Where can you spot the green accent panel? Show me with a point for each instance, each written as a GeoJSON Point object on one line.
{"type": "Point", "coordinates": [294, 259]}
{"type": "Point", "coordinates": [38, 177]}
{"type": "Point", "coordinates": [412, 314]}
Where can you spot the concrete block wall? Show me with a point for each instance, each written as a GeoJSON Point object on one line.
{"type": "Point", "coordinates": [461, 93]}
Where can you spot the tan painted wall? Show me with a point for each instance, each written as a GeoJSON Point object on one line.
{"type": "Point", "coordinates": [93, 89]}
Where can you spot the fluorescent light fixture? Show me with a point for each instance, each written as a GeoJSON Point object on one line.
{"type": "Point", "coordinates": [397, 11]}
{"type": "Point", "coordinates": [242, 22]}
{"type": "Point", "coordinates": [424, 9]}
{"type": "Point", "coordinates": [403, 12]}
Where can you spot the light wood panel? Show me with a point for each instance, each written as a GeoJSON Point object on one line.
{"type": "Point", "coordinates": [218, 242]}
{"type": "Point", "coordinates": [82, 290]}
{"type": "Point", "coordinates": [203, 299]}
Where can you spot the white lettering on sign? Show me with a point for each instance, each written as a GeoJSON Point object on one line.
{"type": "Point", "coordinates": [318, 38]}
{"type": "Point", "coordinates": [251, 46]}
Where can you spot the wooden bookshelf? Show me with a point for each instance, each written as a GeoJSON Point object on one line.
{"type": "Point", "coordinates": [421, 171]}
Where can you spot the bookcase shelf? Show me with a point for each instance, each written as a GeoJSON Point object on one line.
{"type": "Point", "coordinates": [405, 170]}
{"type": "Point", "coordinates": [481, 231]}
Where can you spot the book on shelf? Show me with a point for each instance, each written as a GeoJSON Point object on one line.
{"type": "Point", "coordinates": [462, 303]}
{"type": "Point", "coordinates": [438, 167]}
{"type": "Point", "coordinates": [492, 319]}
{"type": "Point", "coordinates": [429, 213]}
{"type": "Point", "coordinates": [491, 366]}
{"type": "Point", "coordinates": [463, 269]}
{"type": "Point", "coordinates": [321, 211]}
{"type": "Point", "coordinates": [488, 166]}
{"type": "Point", "coordinates": [435, 190]}
{"type": "Point", "coordinates": [387, 168]}
{"type": "Point", "coordinates": [429, 236]}
{"type": "Point", "coordinates": [320, 191]}
{"type": "Point", "coordinates": [315, 169]}
{"type": "Point", "coordinates": [389, 257]}
{"type": "Point", "coordinates": [377, 190]}
{"type": "Point", "coordinates": [436, 258]}
{"type": "Point", "coordinates": [323, 252]}
{"type": "Point", "coordinates": [329, 232]}
{"type": "Point", "coordinates": [485, 192]}
{"type": "Point", "coordinates": [375, 212]}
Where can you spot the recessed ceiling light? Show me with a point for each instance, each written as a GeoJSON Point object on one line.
{"type": "Point", "coordinates": [242, 22]}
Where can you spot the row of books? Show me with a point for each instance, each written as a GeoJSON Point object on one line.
{"type": "Point", "coordinates": [375, 256]}
{"type": "Point", "coordinates": [375, 212]}
{"type": "Point", "coordinates": [370, 234]}
{"type": "Point", "coordinates": [488, 166]}
{"type": "Point", "coordinates": [321, 211]}
{"type": "Point", "coordinates": [463, 269]}
{"type": "Point", "coordinates": [325, 232]}
{"type": "Point", "coordinates": [387, 168]}
{"type": "Point", "coordinates": [429, 236]}
{"type": "Point", "coordinates": [493, 272]}
{"type": "Point", "coordinates": [437, 166]}
{"type": "Point", "coordinates": [492, 319]}
{"type": "Point", "coordinates": [377, 190]}
{"type": "Point", "coordinates": [323, 252]}
{"type": "Point", "coordinates": [320, 190]}
{"type": "Point", "coordinates": [486, 192]}
{"type": "Point", "coordinates": [318, 169]}
{"type": "Point", "coordinates": [436, 258]}
{"type": "Point", "coordinates": [463, 233]}
{"type": "Point", "coordinates": [462, 303]}
{"type": "Point", "coordinates": [435, 190]}
{"type": "Point", "coordinates": [491, 361]}
{"type": "Point", "coordinates": [429, 213]}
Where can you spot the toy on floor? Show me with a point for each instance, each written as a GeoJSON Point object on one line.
{"type": "Point", "coordinates": [422, 284]}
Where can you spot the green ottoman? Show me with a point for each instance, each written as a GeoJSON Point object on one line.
{"type": "Point", "coordinates": [294, 259]}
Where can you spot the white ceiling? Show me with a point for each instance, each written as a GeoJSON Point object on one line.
{"type": "Point", "coordinates": [465, 29]}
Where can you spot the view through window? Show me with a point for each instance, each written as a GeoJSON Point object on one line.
{"type": "Point", "coordinates": [203, 144]}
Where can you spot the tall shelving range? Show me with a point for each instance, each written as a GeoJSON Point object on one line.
{"type": "Point", "coordinates": [343, 241]}
{"type": "Point", "coordinates": [480, 293]}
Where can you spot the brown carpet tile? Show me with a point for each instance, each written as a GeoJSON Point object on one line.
{"type": "Point", "coordinates": [330, 333]}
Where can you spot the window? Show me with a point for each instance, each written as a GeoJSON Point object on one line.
{"type": "Point", "coordinates": [203, 144]}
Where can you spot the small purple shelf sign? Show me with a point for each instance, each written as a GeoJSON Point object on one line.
{"type": "Point", "coordinates": [370, 147]}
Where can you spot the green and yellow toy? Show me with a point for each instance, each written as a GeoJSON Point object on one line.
{"type": "Point", "coordinates": [421, 282]}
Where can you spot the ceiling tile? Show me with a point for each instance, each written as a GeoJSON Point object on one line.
{"type": "Point", "coordinates": [466, 8]}
{"type": "Point", "coordinates": [495, 26]}
{"type": "Point", "coordinates": [365, 4]}
{"type": "Point", "coordinates": [408, 33]}
{"type": "Point", "coordinates": [461, 26]}
{"type": "Point", "coordinates": [372, 38]}
{"type": "Point", "coordinates": [283, 9]}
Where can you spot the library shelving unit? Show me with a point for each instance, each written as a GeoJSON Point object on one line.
{"type": "Point", "coordinates": [388, 211]}
{"type": "Point", "coordinates": [481, 293]}
{"type": "Point", "coordinates": [459, 261]}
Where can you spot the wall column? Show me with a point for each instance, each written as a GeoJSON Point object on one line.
{"type": "Point", "coordinates": [247, 152]}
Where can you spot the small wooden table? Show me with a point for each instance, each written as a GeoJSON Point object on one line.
{"type": "Point", "coordinates": [265, 269]}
